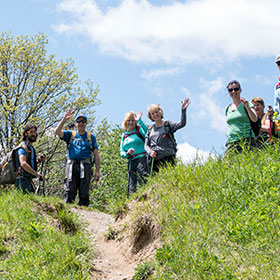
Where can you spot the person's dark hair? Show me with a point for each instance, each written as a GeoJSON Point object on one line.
{"type": "Point", "coordinates": [27, 128]}
{"type": "Point", "coordinates": [233, 82]}
{"type": "Point", "coordinates": [258, 100]}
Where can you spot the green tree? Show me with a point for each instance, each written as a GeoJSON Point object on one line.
{"type": "Point", "coordinates": [37, 88]}
{"type": "Point", "coordinates": [111, 191]}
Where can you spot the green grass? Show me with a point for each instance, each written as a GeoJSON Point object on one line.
{"type": "Point", "coordinates": [143, 271]}
{"type": "Point", "coordinates": [41, 239]}
{"type": "Point", "coordinates": [219, 220]}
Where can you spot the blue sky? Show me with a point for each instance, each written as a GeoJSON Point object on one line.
{"type": "Point", "coordinates": [141, 52]}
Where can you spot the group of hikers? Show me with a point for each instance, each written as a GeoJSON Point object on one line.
{"type": "Point", "coordinates": [146, 148]}
{"type": "Point", "coordinates": [82, 154]}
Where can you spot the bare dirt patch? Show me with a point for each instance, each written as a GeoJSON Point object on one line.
{"type": "Point", "coordinates": [114, 259]}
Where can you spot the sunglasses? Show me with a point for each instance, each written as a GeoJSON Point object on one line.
{"type": "Point", "coordinates": [81, 121]}
{"type": "Point", "coordinates": [278, 63]}
{"type": "Point", "coordinates": [233, 89]}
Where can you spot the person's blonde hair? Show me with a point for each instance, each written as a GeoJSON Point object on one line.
{"type": "Point", "coordinates": [154, 107]}
{"type": "Point", "coordinates": [127, 116]}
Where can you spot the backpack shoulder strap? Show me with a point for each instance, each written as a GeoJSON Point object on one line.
{"type": "Point", "coordinates": [167, 124]}
{"type": "Point", "coordinates": [168, 130]}
{"type": "Point", "coordinates": [89, 140]}
{"type": "Point", "coordinates": [227, 109]}
{"type": "Point", "coordinates": [247, 114]}
{"type": "Point", "coordinates": [73, 135]}
{"type": "Point", "coordinates": [139, 134]}
{"type": "Point", "coordinates": [149, 129]}
{"type": "Point", "coordinates": [24, 146]}
{"type": "Point", "coordinates": [170, 134]}
{"type": "Point", "coordinates": [263, 119]}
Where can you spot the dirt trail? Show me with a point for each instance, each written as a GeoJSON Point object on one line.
{"type": "Point", "coordinates": [112, 261]}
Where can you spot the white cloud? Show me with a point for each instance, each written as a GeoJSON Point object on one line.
{"type": "Point", "coordinates": [154, 74]}
{"type": "Point", "coordinates": [189, 154]}
{"type": "Point", "coordinates": [213, 112]}
{"type": "Point", "coordinates": [198, 30]}
{"type": "Point", "coordinates": [212, 87]}
{"type": "Point", "coordinates": [209, 105]}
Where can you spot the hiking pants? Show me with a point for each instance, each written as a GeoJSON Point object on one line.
{"type": "Point", "coordinates": [25, 185]}
{"type": "Point", "coordinates": [137, 173]}
{"type": "Point", "coordinates": [76, 183]}
{"type": "Point", "coordinates": [238, 146]}
{"type": "Point", "coordinates": [161, 162]}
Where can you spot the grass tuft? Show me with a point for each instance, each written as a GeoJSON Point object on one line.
{"type": "Point", "coordinates": [143, 271]}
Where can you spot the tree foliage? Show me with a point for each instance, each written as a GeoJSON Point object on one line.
{"type": "Point", "coordinates": [37, 88]}
{"type": "Point", "coordinates": [112, 188]}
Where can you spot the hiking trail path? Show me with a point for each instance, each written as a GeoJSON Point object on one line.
{"type": "Point", "coordinates": [112, 259]}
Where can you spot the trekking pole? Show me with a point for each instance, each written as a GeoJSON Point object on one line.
{"type": "Point", "coordinates": [270, 125]}
{"type": "Point", "coordinates": [270, 129]}
{"type": "Point", "coordinates": [152, 166]}
{"type": "Point", "coordinates": [129, 170]}
{"type": "Point", "coordinates": [37, 189]}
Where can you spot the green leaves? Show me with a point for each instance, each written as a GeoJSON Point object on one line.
{"type": "Point", "coordinates": [37, 88]}
{"type": "Point", "coordinates": [110, 192]}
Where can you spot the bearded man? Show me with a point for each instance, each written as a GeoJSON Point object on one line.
{"type": "Point", "coordinates": [26, 161]}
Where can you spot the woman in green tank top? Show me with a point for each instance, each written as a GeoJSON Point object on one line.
{"type": "Point", "coordinates": [239, 115]}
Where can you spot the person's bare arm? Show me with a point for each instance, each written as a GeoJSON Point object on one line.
{"type": "Point", "coordinates": [28, 168]}
{"type": "Point", "coordinates": [58, 130]}
{"type": "Point", "coordinates": [251, 111]}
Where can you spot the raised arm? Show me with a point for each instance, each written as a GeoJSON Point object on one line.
{"type": "Point", "coordinates": [143, 127]}
{"type": "Point", "coordinates": [67, 115]}
{"type": "Point", "coordinates": [251, 112]}
{"type": "Point", "coordinates": [177, 125]}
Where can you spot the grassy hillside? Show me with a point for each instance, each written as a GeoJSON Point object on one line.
{"type": "Point", "coordinates": [219, 220]}
{"type": "Point", "coordinates": [40, 239]}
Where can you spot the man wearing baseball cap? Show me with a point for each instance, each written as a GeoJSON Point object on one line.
{"type": "Point", "coordinates": [81, 146]}
{"type": "Point", "coordinates": [277, 89]}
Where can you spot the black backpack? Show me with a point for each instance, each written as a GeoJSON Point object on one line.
{"type": "Point", "coordinates": [256, 126]}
